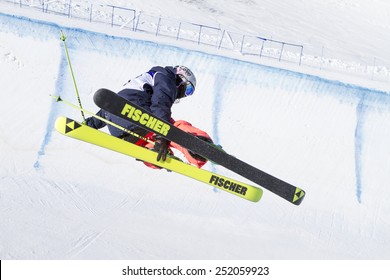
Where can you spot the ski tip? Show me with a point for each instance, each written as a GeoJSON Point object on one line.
{"type": "Point", "coordinates": [66, 125]}
{"type": "Point", "coordinates": [100, 96]}
{"type": "Point", "coordinates": [298, 196]}
{"type": "Point", "coordinates": [60, 124]}
{"type": "Point", "coordinates": [258, 195]}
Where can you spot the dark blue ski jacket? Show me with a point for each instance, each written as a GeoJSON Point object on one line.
{"type": "Point", "coordinates": [154, 90]}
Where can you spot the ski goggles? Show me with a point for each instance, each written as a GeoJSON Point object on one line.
{"type": "Point", "coordinates": [185, 88]}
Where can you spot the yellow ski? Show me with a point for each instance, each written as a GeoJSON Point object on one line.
{"type": "Point", "coordinates": [87, 134]}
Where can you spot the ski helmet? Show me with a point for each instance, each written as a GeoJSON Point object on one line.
{"type": "Point", "coordinates": [185, 81]}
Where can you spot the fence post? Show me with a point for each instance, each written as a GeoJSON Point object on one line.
{"type": "Point", "coordinates": [200, 33]}
{"type": "Point", "coordinates": [90, 13]}
{"type": "Point", "coordinates": [242, 43]}
{"type": "Point", "coordinates": [112, 16]}
{"type": "Point", "coordinates": [262, 47]}
{"type": "Point", "coordinates": [134, 18]}
{"type": "Point", "coordinates": [220, 42]}
{"type": "Point", "coordinates": [300, 57]}
{"type": "Point", "coordinates": [158, 26]}
{"type": "Point", "coordinates": [136, 25]}
{"type": "Point", "coordinates": [281, 52]}
{"type": "Point", "coordinates": [70, 4]}
{"type": "Point", "coordinates": [178, 32]}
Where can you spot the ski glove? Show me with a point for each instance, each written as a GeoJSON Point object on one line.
{"type": "Point", "coordinates": [161, 147]}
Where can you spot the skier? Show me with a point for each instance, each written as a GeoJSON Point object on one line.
{"type": "Point", "coordinates": [156, 91]}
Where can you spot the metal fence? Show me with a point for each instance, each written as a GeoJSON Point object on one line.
{"type": "Point", "coordinates": [133, 21]}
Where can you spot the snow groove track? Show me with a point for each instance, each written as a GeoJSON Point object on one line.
{"type": "Point", "coordinates": [85, 240]}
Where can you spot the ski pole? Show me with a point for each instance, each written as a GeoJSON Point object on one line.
{"type": "Point", "coordinates": [59, 99]}
{"type": "Point", "coordinates": [63, 38]}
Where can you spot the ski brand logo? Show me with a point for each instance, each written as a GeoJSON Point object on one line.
{"type": "Point", "coordinates": [298, 194]}
{"type": "Point", "coordinates": [145, 119]}
{"type": "Point", "coordinates": [228, 185]}
{"type": "Point", "coordinates": [71, 125]}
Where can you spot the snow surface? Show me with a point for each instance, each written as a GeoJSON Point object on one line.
{"type": "Point", "coordinates": [63, 199]}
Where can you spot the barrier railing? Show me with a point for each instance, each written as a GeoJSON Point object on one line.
{"type": "Point", "coordinates": [247, 45]}
{"type": "Point", "coordinates": [129, 19]}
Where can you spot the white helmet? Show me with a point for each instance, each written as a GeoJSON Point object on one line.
{"type": "Point", "coordinates": [185, 81]}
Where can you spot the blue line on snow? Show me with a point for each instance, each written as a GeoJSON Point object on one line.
{"type": "Point", "coordinates": [360, 119]}
{"type": "Point", "coordinates": [53, 111]}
